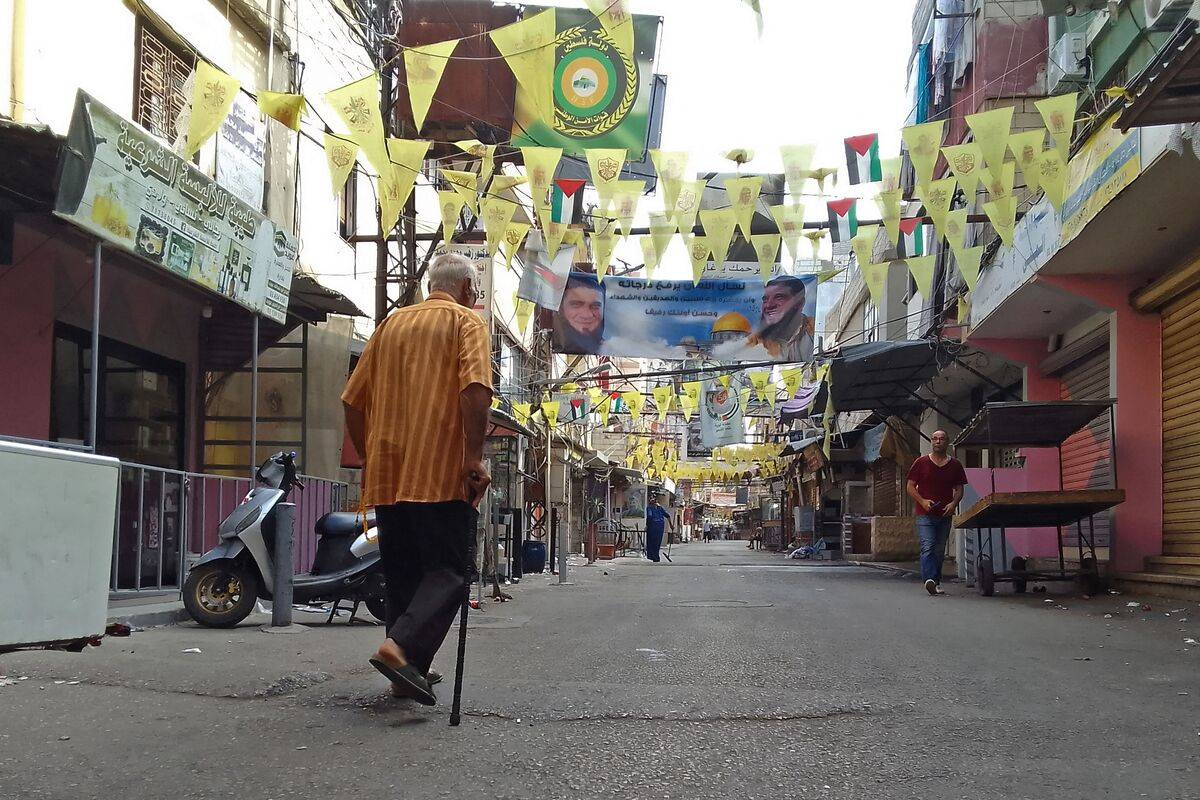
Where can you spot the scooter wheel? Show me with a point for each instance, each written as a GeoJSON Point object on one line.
{"type": "Point", "coordinates": [220, 594]}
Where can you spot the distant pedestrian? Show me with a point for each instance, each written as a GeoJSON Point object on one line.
{"type": "Point", "coordinates": [417, 410]}
{"type": "Point", "coordinates": [935, 483]}
{"type": "Point", "coordinates": [656, 518]}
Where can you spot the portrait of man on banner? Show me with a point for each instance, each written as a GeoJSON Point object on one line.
{"type": "Point", "coordinates": [786, 327]}
{"type": "Point", "coordinates": [579, 321]}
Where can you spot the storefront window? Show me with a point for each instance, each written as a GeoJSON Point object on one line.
{"type": "Point", "coordinates": [141, 400]}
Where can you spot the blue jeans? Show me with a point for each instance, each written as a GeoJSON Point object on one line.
{"type": "Point", "coordinates": [933, 532]}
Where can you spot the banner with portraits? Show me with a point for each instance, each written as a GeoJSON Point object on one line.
{"type": "Point", "coordinates": [720, 319]}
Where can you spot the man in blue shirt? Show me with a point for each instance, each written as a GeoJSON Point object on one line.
{"type": "Point", "coordinates": [656, 518]}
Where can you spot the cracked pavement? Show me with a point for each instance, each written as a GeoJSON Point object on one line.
{"type": "Point", "coordinates": [727, 673]}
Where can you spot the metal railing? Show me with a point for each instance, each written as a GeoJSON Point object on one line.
{"type": "Point", "coordinates": [167, 517]}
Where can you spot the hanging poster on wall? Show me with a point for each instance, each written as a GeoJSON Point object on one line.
{"type": "Point", "coordinates": [726, 320]}
{"type": "Point", "coordinates": [721, 415]}
{"type": "Point", "coordinates": [121, 184]}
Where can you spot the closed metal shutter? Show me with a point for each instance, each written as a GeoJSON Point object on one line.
{"type": "Point", "coordinates": [1181, 425]}
{"type": "Point", "coordinates": [885, 495]}
{"type": "Point", "coordinates": [1087, 455]}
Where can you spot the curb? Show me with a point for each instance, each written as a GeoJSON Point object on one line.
{"type": "Point", "coordinates": [151, 619]}
{"type": "Point", "coordinates": [899, 572]}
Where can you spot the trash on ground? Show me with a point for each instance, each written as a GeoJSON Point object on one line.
{"type": "Point", "coordinates": [1132, 605]}
{"type": "Point", "coordinates": [191, 650]}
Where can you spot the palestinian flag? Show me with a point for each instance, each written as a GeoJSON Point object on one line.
{"type": "Point", "coordinates": [912, 238]}
{"type": "Point", "coordinates": [862, 158]}
{"type": "Point", "coordinates": [843, 221]}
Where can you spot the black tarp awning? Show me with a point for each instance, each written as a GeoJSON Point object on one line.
{"type": "Point", "coordinates": [1032, 424]}
{"type": "Point", "coordinates": [882, 376]}
{"type": "Point", "coordinates": [1167, 91]}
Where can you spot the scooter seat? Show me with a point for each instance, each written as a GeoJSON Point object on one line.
{"type": "Point", "coordinates": [343, 523]}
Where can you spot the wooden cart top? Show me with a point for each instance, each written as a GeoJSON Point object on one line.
{"type": "Point", "coordinates": [1038, 509]}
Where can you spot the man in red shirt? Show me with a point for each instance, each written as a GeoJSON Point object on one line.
{"type": "Point", "coordinates": [935, 483]}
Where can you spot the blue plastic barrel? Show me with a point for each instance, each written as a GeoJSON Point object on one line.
{"type": "Point", "coordinates": [533, 556]}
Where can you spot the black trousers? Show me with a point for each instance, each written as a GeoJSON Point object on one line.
{"type": "Point", "coordinates": [426, 551]}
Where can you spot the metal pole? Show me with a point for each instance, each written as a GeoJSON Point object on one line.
{"type": "Point", "coordinates": [564, 529]}
{"type": "Point", "coordinates": [254, 398]}
{"type": "Point", "coordinates": [281, 605]}
{"type": "Point", "coordinates": [94, 401]}
{"type": "Point", "coordinates": [385, 102]}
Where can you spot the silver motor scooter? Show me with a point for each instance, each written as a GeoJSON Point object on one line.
{"type": "Point", "coordinates": [222, 587]}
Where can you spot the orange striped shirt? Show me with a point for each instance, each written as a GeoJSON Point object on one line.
{"type": "Point", "coordinates": [407, 383]}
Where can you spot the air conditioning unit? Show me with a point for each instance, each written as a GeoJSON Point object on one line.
{"type": "Point", "coordinates": [1164, 15]}
{"type": "Point", "coordinates": [1068, 65]}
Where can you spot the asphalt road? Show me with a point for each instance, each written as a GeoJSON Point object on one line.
{"type": "Point", "coordinates": [726, 674]}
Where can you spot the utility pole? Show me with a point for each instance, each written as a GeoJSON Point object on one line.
{"type": "Point", "coordinates": [385, 52]}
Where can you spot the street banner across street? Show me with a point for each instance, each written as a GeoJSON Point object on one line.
{"type": "Point", "coordinates": [727, 320]}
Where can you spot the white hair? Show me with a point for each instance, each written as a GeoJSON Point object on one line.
{"type": "Point", "coordinates": [449, 270]}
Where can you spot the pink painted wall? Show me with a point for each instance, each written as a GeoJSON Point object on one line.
{"type": "Point", "coordinates": [1028, 542]}
{"type": "Point", "coordinates": [1135, 342]}
{"type": "Point", "coordinates": [26, 303]}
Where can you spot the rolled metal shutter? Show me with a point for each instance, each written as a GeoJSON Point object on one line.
{"type": "Point", "coordinates": [1181, 424]}
{"type": "Point", "coordinates": [1087, 455]}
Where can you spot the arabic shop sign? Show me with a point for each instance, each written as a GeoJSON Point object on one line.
{"type": "Point", "coordinates": [122, 185]}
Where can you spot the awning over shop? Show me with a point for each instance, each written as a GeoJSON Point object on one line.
{"type": "Point", "coordinates": [1167, 91]}
{"type": "Point", "coordinates": [796, 446]}
{"type": "Point", "coordinates": [882, 376]}
{"type": "Point", "coordinates": [1030, 424]}
{"type": "Point", "coordinates": [809, 400]}
{"type": "Point", "coordinates": [505, 424]}
{"type": "Point", "coordinates": [28, 166]}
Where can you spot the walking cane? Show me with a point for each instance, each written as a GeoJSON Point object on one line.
{"type": "Point", "coordinates": [469, 567]}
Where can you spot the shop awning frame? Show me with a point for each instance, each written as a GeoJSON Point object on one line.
{"type": "Point", "coordinates": [1030, 424]}
{"type": "Point", "coordinates": [1167, 90]}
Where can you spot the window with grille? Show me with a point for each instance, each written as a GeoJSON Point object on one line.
{"type": "Point", "coordinates": [162, 70]}
{"type": "Point", "coordinates": [870, 323]}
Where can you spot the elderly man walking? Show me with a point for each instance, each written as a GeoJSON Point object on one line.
{"type": "Point", "coordinates": [935, 483]}
{"type": "Point", "coordinates": [417, 410]}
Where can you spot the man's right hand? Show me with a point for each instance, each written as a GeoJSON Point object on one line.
{"type": "Point", "coordinates": [926, 505]}
{"type": "Point", "coordinates": [476, 480]}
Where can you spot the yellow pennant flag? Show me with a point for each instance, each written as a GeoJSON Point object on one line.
{"type": "Point", "coordinates": [286, 109]}
{"type": "Point", "coordinates": [528, 47]}
{"type": "Point", "coordinates": [761, 381]}
{"type": "Point", "coordinates": [863, 244]}
{"type": "Point", "coordinates": [1059, 115]}
{"type": "Point", "coordinates": [617, 21]}
{"type": "Point", "coordinates": [766, 247]}
{"type": "Point", "coordinates": [814, 239]}
{"type": "Point", "coordinates": [688, 406]}
{"type": "Point", "coordinates": [423, 68]}
{"type": "Point", "coordinates": [625, 202]}
{"type": "Point", "coordinates": [875, 276]}
{"type": "Point", "coordinates": [792, 377]}
{"type": "Point", "coordinates": [991, 129]}
{"type": "Point", "coordinates": [523, 313]}
{"type": "Point", "coordinates": [891, 173]}
{"type": "Point", "coordinates": [407, 157]}
{"type": "Point", "coordinates": [790, 221]}
{"type": "Point", "coordinates": [357, 105]}
{"type": "Point", "coordinates": [693, 389]}
{"type": "Point", "coordinates": [522, 411]}
{"type": "Point", "coordinates": [954, 228]}
{"type": "Point", "coordinates": [999, 183]}
{"type": "Point", "coordinates": [540, 164]}
{"type": "Point", "coordinates": [1026, 147]}
{"type": "Point", "coordinates": [496, 213]}
{"type": "Point", "coordinates": [687, 205]}
{"type": "Point", "coordinates": [514, 237]}
{"type": "Point", "coordinates": [968, 260]}
{"type": "Point", "coordinates": [743, 198]}
{"type": "Point", "coordinates": [744, 398]}
{"type": "Point", "coordinates": [964, 311]}
{"type": "Point", "coordinates": [603, 245]}
{"type": "Point", "coordinates": [550, 410]}
{"type": "Point", "coordinates": [212, 96]}
{"type": "Point", "coordinates": [966, 162]}
{"type": "Point", "coordinates": [633, 400]}
{"type": "Point", "coordinates": [662, 401]}
{"type": "Point", "coordinates": [340, 153]}
{"type": "Point", "coordinates": [502, 183]}
{"type": "Point", "coordinates": [552, 237]}
{"type": "Point", "coordinates": [1003, 216]}
{"type": "Point", "coordinates": [650, 257]}
{"type": "Point", "coordinates": [605, 164]}
{"type": "Point", "coordinates": [797, 161]}
{"type": "Point", "coordinates": [595, 396]}
{"type": "Point", "coordinates": [718, 229]}
{"type": "Point", "coordinates": [820, 174]}
{"type": "Point", "coordinates": [486, 153]}
{"type": "Point", "coordinates": [922, 271]}
{"type": "Point", "coordinates": [698, 252]}
{"type": "Point", "coordinates": [466, 185]}
{"type": "Point", "coordinates": [604, 407]}
{"type": "Point", "coordinates": [449, 204]}
{"type": "Point", "coordinates": [889, 208]}
{"type": "Point", "coordinates": [924, 143]}
{"type": "Point", "coordinates": [1052, 175]}
{"type": "Point", "coordinates": [671, 166]}
{"type": "Point", "coordinates": [937, 197]}
{"type": "Point", "coordinates": [662, 228]}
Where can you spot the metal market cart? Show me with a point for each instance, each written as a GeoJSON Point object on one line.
{"type": "Point", "coordinates": [1036, 425]}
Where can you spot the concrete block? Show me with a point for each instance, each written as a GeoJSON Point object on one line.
{"type": "Point", "coordinates": [894, 539]}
